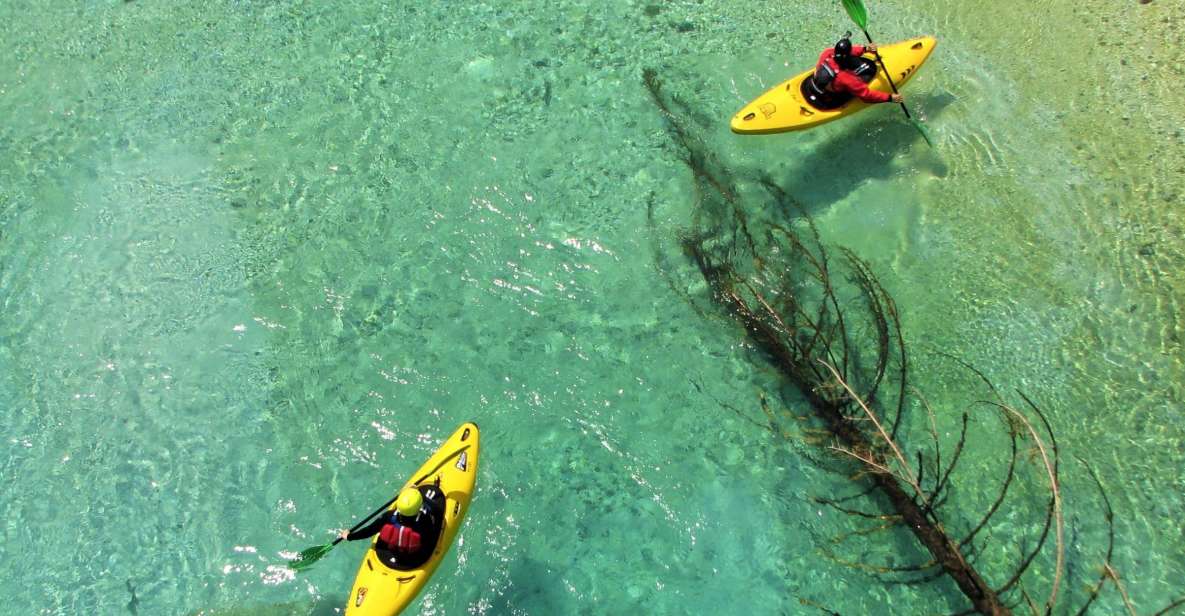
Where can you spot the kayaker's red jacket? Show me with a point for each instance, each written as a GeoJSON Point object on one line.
{"type": "Point", "coordinates": [845, 81]}
{"type": "Point", "coordinates": [396, 531]}
{"type": "Point", "coordinates": [400, 538]}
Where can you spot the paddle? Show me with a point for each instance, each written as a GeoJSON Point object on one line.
{"type": "Point", "coordinates": [308, 556]}
{"type": "Point", "coordinates": [859, 14]}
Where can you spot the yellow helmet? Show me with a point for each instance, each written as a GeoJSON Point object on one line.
{"type": "Point", "coordinates": [409, 502]}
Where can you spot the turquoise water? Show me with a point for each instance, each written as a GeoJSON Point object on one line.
{"type": "Point", "coordinates": [258, 259]}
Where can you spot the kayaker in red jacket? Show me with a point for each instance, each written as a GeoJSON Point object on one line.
{"type": "Point", "coordinates": [409, 533]}
{"type": "Point", "coordinates": [834, 72]}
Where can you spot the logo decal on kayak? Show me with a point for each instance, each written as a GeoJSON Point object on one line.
{"type": "Point", "coordinates": [463, 461]}
{"type": "Point", "coordinates": [361, 597]}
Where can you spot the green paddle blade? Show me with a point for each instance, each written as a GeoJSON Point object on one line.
{"type": "Point", "coordinates": [857, 12]}
{"type": "Point", "coordinates": [923, 130]}
{"type": "Point", "coordinates": [310, 556]}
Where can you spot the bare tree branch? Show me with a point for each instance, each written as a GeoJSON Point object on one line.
{"type": "Point", "coordinates": [1109, 516]}
{"type": "Point", "coordinates": [1127, 602]}
{"type": "Point", "coordinates": [907, 473]}
{"type": "Point", "coordinates": [1000, 497]}
{"type": "Point", "coordinates": [1054, 510]}
{"type": "Point", "coordinates": [1175, 604]}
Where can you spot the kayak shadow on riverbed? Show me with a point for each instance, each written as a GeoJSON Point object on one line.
{"type": "Point", "coordinates": [865, 150]}
{"type": "Point", "coordinates": [534, 584]}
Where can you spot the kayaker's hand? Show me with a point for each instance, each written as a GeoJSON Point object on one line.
{"type": "Point", "coordinates": [870, 48]}
{"type": "Point", "coordinates": [896, 98]}
{"type": "Point", "coordinates": [344, 534]}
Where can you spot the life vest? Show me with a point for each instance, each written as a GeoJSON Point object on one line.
{"type": "Point", "coordinates": [400, 538]}
{"type": "Point", "coordinates": [825, 73]}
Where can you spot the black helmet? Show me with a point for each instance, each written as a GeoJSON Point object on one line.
{"type": "Point", "coordinates": [843, 47]}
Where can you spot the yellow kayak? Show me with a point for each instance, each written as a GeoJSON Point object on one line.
{"type": "Point", "coordinates": [785, 108]}
{"type": "Point", "coordinates": [380, 590]}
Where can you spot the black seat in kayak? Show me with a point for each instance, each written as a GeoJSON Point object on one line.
{"type": "Point", "coordinates": [826, 100]}
{"type": "Point", "coordinates": [429, 535]}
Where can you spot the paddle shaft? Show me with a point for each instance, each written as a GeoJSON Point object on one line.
{"type": "Point", "coordinates": [884, 68]}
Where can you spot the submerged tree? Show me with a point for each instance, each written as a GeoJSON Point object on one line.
{"type": "Point", "coordinates": [830, 330]}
